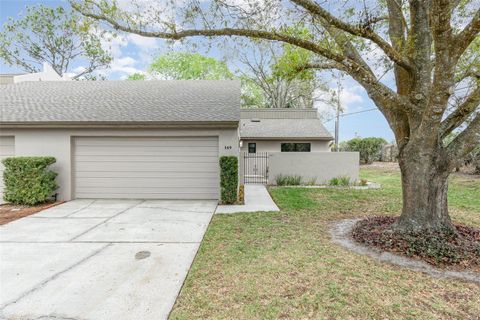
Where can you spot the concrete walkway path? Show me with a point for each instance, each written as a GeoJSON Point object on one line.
{"type": "Point", "coordinates": [257, 198]}
{"type": "Point", "coordinates": [103, 259]}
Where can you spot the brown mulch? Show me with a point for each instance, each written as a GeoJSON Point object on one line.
{"type": "Point", "coordinates": [460, 250]}
{"type": "Point", "coordinates": [241, 194]}
{"type": "Point", "coordinates": [10, 212]}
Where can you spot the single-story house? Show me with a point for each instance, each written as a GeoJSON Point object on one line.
{"type": "Point", "coordinates": [125, 139]}
{"type": "Point", "coordinates": [160, 139]}
{"type": "Point", "coordinates": [283, 130]}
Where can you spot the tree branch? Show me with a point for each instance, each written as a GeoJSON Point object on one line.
{"type": "Point", "coordinates": [461, 114]}
{"type": "Point", "coordinates": [384, 97]}
{"type": "Point", "coordinates": [354, 68]}
{"type": "Point", "coordinates": [397, 30]}
{"type": "Point", "coordinates": [397, 26]}
{"type": "Point", "coordinates": [242, 32]}
{"type": "Point", "coordinates": [366, 33]}
{"type": "Point", "coordinates": [345, 44]}
{"type": "Point", "coordinates": [467, 35]}
{"type": "Point", "coordinates": [465, 142]}
{"type": "Point", "coordinates": [321, 66]}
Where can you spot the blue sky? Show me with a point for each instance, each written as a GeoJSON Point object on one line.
{"type": "Point", "coordinates": [133, 53]}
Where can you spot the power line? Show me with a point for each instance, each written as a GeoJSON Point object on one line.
{"type": "Point", "coordinates": [350, 113]}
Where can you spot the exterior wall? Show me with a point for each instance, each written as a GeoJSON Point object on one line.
{"type": "Point", "coordinates": [48, 74]}
{"type": "Point", "coordinates": [321, 166]}
{"type": "Point", "coordinates": [7, 149]}
{"type": "Point", "coordinates": [7, 78]}
{"type": "Point", "coordinates": [58, 143]}
{"type": "Point", "coordinates": [275, 145]}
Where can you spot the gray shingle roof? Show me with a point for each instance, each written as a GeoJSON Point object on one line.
{"type": "Point", "coordinates": [283, 128]}
{"type": "Point", "coordinates": [120, 101]}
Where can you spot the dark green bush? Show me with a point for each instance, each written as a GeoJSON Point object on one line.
{"type": "Point", "coordinates": [228, 179]}
{"type": "Point", "coordinates": [370, 149]}
{"type": "Point", "coordinates": [27, 179]}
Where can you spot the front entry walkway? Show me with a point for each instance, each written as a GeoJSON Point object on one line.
{"type": "Point", "coordinates": [100, 259]}
{"type": "Point", "coordinates": [257, 198]}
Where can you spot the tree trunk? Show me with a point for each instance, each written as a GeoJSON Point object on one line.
{"type": "Point", "coordinates": [424, 187]}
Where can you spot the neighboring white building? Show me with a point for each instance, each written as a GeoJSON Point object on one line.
{"type": "Point", "coordinates": [48, 74]}
{"type": "Point", "coordinates": [7, 78]}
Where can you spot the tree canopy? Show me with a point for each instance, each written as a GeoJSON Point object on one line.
{"type": "Point", "coordinates": [54, 35]}
{"type": "Point", "coordinates": [271, 68]}
{"type": "Point", "coordinates": [188, 66]}
{"type": "Point", "coordinates": [194, 66]}
{"type": "Point", "coordinates": [267, 82]}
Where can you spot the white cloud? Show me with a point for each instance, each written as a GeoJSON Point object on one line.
{"type": "Point", "coordinates": [350, 96]}
{"type": "Point", "coordinates": [143, 43]}
{"type": "Point", "coordinates": [125, 65]}
{"type": "Point", "coordinates": [126, 61]}
{"type": "Point", "coordinates": [350, 99]}
{"type": "Point", "coordinates": [114, 43]}
{"type": "Point", "coordinates": [79, 69]}
{"type": "Point", "coordinates": [121, 64]}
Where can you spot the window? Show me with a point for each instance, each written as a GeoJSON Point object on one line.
{"type": "Point", "coordinates": [295, 147]}
{"type": "Point", "coordinates": [252, 147]}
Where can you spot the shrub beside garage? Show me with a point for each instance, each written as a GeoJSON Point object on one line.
{"type": "Point", "coordinates": [28, 180]}
{"type": "Point", "coordinates": [229, 179]}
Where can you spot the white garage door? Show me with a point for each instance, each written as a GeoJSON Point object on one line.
{"type": "Point", "coordinates": [146, 168]}
{"type": "Point", "coordinates": [7, 149]}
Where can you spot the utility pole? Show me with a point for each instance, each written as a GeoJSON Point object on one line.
{"type": "Point", "coordinates": [337, 121]}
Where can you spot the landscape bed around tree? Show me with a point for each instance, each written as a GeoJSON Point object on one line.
{"type": "Point", "coordinates": [459, 250]}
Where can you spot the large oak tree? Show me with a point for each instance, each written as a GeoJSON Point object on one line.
{"type": "Point", "coordinates": [431, 47]}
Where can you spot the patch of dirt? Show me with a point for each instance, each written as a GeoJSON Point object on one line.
{"type": "Point", "coordinates": [467, 171]}
{"type": "Point", "coordinates": [10, 212]}
{"type": "Point", "coordinates": [341, 233]}
{"type": "Point", "coordinates": [383, 165]}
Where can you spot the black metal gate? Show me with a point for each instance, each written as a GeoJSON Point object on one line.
{"type": "Point", "coordinates": [255, 167]}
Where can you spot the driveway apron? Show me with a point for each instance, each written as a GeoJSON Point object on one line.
{"type": "Point", "coordinates": [100, 259]}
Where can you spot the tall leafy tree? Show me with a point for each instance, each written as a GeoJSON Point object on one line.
{"type": "Point", "coordinates": [194, 66]}
{"type": "Point", "coordinates": [188, 66]}
{"type": "Point", "coordinates": [269, 67]}
{"type": "Point", "coordinates": [423, 43]}
{"type": "Point", "coordinates": [54, 35]}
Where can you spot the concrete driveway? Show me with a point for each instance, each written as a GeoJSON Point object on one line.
{"type": "Point", "coordinates": [100, 259]}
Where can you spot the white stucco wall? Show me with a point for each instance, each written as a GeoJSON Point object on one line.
{"type": "Point", "coordinates": [321, 166]}
{"type": "Point", "coordinates": [48, 74]}
{"type": "Point", "coordinates": [275, 145]}
{"type": "Point", "coordinates": [58, 143]}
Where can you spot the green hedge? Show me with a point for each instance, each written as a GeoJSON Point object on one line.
{"type": "Point", "coordinates": [27, 179]}
{"type": "Point", "coordinates": [370, 149]}
{"type": "Point", "coordinates": [229, 179]}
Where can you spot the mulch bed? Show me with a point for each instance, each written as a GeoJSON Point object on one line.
{"type": "Point", "coordinates": [460, 250]}
{"type": "Point", "coordinates": [10, 212]}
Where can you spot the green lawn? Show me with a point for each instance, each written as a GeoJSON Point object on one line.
{"type": "Point", "coordinates": [283, 266]}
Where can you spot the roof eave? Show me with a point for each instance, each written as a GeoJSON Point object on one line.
{"type": "Point", "coordinates": [119, 124]}
{"type": "Point", "coordinates": [287, 138]}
